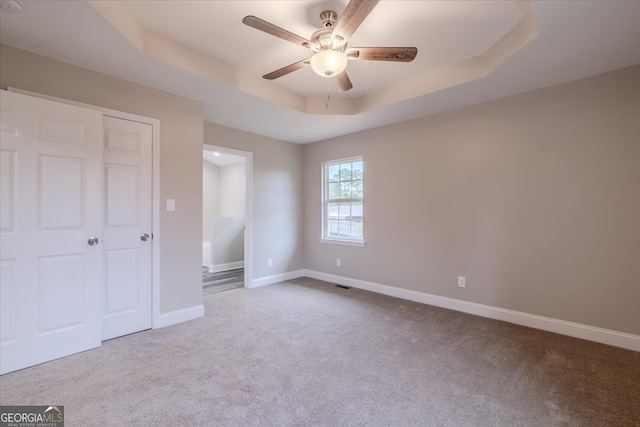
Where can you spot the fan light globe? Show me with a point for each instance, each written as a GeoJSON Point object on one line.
{"type": "Point", "coordinates": [328, 63]}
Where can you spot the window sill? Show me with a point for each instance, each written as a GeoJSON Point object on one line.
{"type": "Point", "coordinates": [359, 243]}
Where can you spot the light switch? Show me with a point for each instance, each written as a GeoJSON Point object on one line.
{"type": "Point", "coordinates": [171, 205]}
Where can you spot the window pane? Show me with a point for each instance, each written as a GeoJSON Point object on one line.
{"type": "Point", "coordinates": [356, 229]}
{"type": "Point", "coordinates": [344, 181]}
{"type": "Point", "coordinates": [333, 210]}
{"type": "Point", "coordinates": [356, 220]}
{"type": "Point", "coordinates": [334, 190]}
{"type": "Point", "coordinates": [357, 169]}
{"type": "Point", "coordinates": [345, 210]}
{"type": "Point", "coordinates": [334, 173]}
{"type": "Point", "coordinates": [356, 210]}
{"type": "Point", "coordinates": [357, 189]}
{"type": "Point", "coordinates": [333, 228]}
{"type": "Point", "coordinates": [345, 190]}
{"type": "Point", "coordinates": [345, 172]}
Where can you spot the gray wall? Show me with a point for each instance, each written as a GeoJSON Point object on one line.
{"type": "Point", "coordinates": [224, 207]}
{"type": "Point", "coordinates": [233, 184]}
{"type": "Point", "coordinates": [227, 244]}
{"type": "Point", "coordinates": [180, 156]}
{"type": "Point", "coordinates": [534, 198]}
{"type": "Point", "coordinates": [210, 197]}
{"type": "Point", "coordinates": [277, 197]}
{"type": "Point", "coordinates": [223, 192]}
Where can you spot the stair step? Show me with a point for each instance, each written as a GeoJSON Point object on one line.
{"type": "Point", "coordinates": [222, 281]}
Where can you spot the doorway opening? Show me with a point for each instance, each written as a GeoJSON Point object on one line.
{"type": "Point", "coordinates": [226, 219]}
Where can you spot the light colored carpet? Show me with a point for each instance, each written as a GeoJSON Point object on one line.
{"type": "Point", "coordinates": [305, 353]}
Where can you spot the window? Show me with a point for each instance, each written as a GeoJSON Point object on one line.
{"type": "Point", "coordinates": [342, 194]}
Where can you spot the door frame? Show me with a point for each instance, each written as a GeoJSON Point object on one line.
{"type": "Point", "coordinates": [155, 196]}
{"type": "Point", "coordinates": [248, 222]}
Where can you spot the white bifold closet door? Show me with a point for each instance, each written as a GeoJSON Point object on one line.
{"type": "Point", "coordinates": [127, 227]}
{"type": "Point", "coordinates": [51, 208]}
{"type": "Point", "coordinates": [75, 229]}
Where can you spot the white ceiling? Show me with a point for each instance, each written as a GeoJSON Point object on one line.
{"type": "Point", "coordinates": [574, 39]}
{"type": "Point", "coordinates": [392, 23]}
{"type": "Point", "coordinates": [221, 159]}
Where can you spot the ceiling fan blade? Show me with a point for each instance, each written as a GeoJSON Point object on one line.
{"type": "Point", "coordinates": [286, 70]}
{"type": "Point", "coordinates": [354, 14]}
{"type": "Point", "coordinates": [345, 81]}
{"type": "Point", "coordinates": [274, 30]}
{"type": "Point", "coordinates": [398, 54]}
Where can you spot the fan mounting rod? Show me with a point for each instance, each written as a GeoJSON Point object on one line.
{"type": "Point", "coordinates": [328, 18]}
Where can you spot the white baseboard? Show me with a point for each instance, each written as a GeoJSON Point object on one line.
{"type": "Point", "coordinates": [179, 316]}
{"type": "Point", "coordinates": [276, 278]}
{"type": "Point", "coordinates": [224, 267]}
{"type": "Point", "coordinates": [577, 330]}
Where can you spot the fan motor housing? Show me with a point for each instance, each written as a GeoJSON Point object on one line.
{"type": "Point", "coordinates": [322, 40]}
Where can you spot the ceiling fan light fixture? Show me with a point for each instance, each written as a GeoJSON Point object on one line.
{"type": "Point", "coordinates": [328, 63]}
{"type": "Point", "coordinates": [329, 44]}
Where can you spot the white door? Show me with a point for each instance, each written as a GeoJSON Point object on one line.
{"type": "Point", "coordinates": [51, 208]}
{"type": "Point", "coordinates": [127, 227]}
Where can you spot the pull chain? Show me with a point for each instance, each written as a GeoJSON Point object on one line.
{"type": "Point", "coordinates": [326, 105]}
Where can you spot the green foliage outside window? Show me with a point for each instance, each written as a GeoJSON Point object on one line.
{"type": "Point", "coordinates": [343, 203]}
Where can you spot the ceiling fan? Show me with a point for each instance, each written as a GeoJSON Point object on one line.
{"type": "Point", "coordinates": [329, 44]}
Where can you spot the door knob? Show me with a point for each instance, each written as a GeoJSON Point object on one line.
{"type": "Point", "coordinates": [93, 241]}
{"type": "Point", "coordinates": [144, 237]}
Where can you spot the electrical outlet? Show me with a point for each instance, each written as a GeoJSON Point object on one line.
{"type": "Point", "coordinates": [338, 262]}
{"type": "Point", "coordinates": [462, 282]}
{"type": "Point", "coordinates": [269, 262]}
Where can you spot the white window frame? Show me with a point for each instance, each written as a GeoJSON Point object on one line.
{"type": "Point", "coordinates": [325, 238]}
